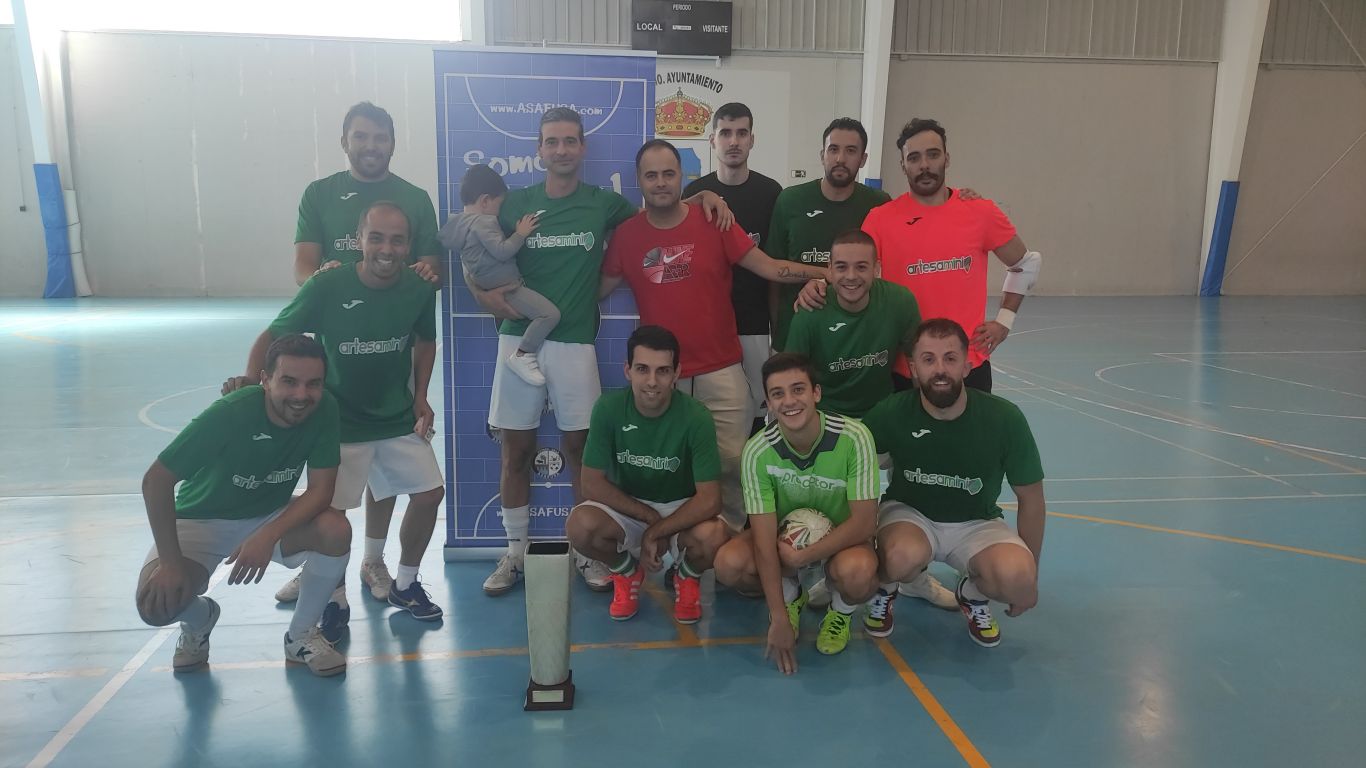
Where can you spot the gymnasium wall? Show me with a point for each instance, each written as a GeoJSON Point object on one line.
{"type": "Point", "coordinates": [23, 254]}
{"type": "Point", "coordinates": [1100, 165]}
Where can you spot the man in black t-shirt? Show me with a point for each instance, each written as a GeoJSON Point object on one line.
{"type": "Point", "coordinates": [750, 196]}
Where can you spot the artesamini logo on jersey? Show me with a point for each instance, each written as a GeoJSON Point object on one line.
{"type": "Point", "coordinates": [814, 256]}
{"type": "Point", "coordinates": [665, 463]}
{"type": "Point", "coordinates": [973, 485]}
{"type": "Point", "coordinates": [346, 243]}
{"type": "Point", "coordinates": [250, 482]}
{"type": "Point", "coordinates": [668, 264]}
{"type": "Point", "coordinates": [584, 239]}
{"type": "Point", "coordinates": [947, 265]}
{"type": "Point", "coordinates": [867, 361]}
{"type": "Point", "coordinates": [377, 347]}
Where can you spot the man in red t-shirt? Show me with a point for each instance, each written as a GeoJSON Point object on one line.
{"type": "Point", "coordinates": [935, 243]}
{"type": "Point", "coordinates": [679, 268]}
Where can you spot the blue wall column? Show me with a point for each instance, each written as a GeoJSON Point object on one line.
{"type": "Point", "coordinates": [61, 283]}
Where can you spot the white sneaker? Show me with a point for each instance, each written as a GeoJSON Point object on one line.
{"type": "Point", "coordinates": [818, 595]}
{"type": "Point", "coordinates": [316, 653]}
{"type": "Point", "coordinates": [505, 576]}
{"type": "Point", "coordinates": [192, 649]}
{"type": "Point", "coordinates": [290, 591]}
{"type": "Point", "coordinates": [526, 368]}
{"type": "Point", "coordinates": [596, 575]}
{"type": "Point", "coordinates": [375, 575]}
{"type": "Point", "coordinates": [928, 588]}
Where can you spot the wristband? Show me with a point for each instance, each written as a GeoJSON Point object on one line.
{"type": "Point", "coordinates": [1006, 317]}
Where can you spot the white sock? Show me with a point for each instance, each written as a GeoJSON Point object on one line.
{"type": "Point", "coordinates": [374, 550]}
{"type": "Point", "coordinates": [405, 576]}
{"type": "Point", "coordinates": [971, 592]}
{"type": "Point", "coordinates": [838, 602]}
{"type": "Point", "coordinates": [791, 588]}
{"type": "Point", "coordinates": [517, 524]}
{"type": "Point", "coordinates": [318, 581]}
{"type": "Point", "coordinates": [891, 587]}
{"type": "Point", "coordinates": [196, 615]}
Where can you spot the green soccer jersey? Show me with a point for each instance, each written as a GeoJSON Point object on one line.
{"type": "Point", "coordinates": [329, 215]}
{"type": "Point", "coordinates": [804, 225]}
{"type": "Point", "coordinates": [951, 471]}
{"type": "Point", "coordinates": [854, 351]}
{"type": "Point", "coordinates": [562, 259]}
{"type": "Point", "coordinates": [841, 468]}
{"type": "Point", "coordinates": [368, 334]}
{"type": "Point", "coordinates": [237, 464]}
{"type": "Point", "coordinates": [655, 459]}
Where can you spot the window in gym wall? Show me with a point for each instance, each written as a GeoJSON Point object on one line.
{"type": "Point", "coordinates": [395, 19]}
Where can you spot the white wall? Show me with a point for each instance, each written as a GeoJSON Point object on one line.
{"type": "Point", "coordinates": [1300, 225]}
{"type": "Point", "coordinates": [23, 253]}
{"type": "Point", "coordinates": [1101, 166]}
{"type": "Point", "coordinates": [191, 151]}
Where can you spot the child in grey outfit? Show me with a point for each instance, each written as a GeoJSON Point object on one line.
{"type": "Point", "coordinates": [490, 261]}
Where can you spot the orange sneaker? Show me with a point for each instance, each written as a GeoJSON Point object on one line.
{"type": "Point", "coordinates": [687, 599]}
{"type": "Point", "coordinates": [626, 594]}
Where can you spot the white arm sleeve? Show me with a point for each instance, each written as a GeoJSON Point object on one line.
{"type": "Point", "coordinates": [1021, 277]}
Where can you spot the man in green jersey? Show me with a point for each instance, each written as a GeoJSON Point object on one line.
{"type": "Point", "coordinates": [326, 237]}
{"type": "Point", "coordinates": [377, 321]}
{"type": "Point", "coordinates": [239, 461]}
{"type": "Point", "coordinates": [807, 216]}
{"type": "Point", "coordinates": [650, 480]}
{"type": "Point", "coordinates": [854, 340]}
{"type": "Point", "coordinates": [806, 459]}
{"type": "Point", "coordinates": [561, 260]}
{"type": "Point", "coordinates": [951, 447]}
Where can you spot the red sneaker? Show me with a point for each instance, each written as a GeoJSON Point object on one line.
{"type": "Point", "coordinates": [687, 599]}
{"type": "Point", "coordinates": [626, 594]}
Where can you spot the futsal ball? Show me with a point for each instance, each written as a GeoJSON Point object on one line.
{"type": "Point", "coordinates": [804, 527]}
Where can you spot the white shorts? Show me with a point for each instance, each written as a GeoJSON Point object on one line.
{"type": "Point", "coordinates": [209, 542]}
{"type": "Point", "coordinates": [572, 387]}
{"type": "Point", "coordinates": [394, 466]}
{"type": "Point", "coordinates": [756, 350]}
{"type": "Point", "coordinates": [635, 529]}
{"type": "Point", "coordinates": [952, 543]}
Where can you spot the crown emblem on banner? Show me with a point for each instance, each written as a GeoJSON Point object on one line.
{"type": "Point", "coordinates": [681, 115]}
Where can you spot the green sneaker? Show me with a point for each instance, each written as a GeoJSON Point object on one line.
{"type": "Point", "coordinates": [834, 634]}
{"type": "Point", "coordinates": [794, 610]}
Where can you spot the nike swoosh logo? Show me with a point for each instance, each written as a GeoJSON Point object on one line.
{"type": "Point", "coordinates": [349, 195]}
{"type": "Point", "coordinates": [261, 436]}
{"type": "Point", "coordinates": [814, 214]}
{"type": "Point", "coordinates": [352, 304]}
{"type": "Point", "coordinates": [912, 221]}
{"type": "Point", "coordinates": [628, 428]}
{"type": "Point", "coordinates": [837, 326]}
{"type": "Point", "coordinates": [920, 433]}
{"type": "Point", "coordinates": [671, 257]}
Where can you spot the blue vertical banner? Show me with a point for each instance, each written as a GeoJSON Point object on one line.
{"type": "Point", "coordinates": [488, 110]}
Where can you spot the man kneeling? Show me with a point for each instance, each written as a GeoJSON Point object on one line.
{"type": "Point", "coordinates": [650, 480]}
{"type": "Point", "coordinates": [240, 460]}
{"type": "Point", "coordinates": [805, 459]}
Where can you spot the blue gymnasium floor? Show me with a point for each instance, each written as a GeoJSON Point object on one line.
{"type": "Point", "coordinates": [1203, 582]}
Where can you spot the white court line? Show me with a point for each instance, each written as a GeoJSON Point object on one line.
{"type": "Point", "coordinates": [1145, 434]}
{"type": "Point", "coordinates": [1100, 374]}
{"type": "Point", "coordinates": [102, 697]}
{"type": "Point", "coordinates": [1052, 502]}
{"type": "Point", "coordinates": [1268, 378]}
{"type": "Point", "coordinates": [1188, 425]}
{"type": "Point", "coordinates": [1272, 352]}
{"type": "Point", "coordinates": [147, 420]}
{"type": "Point", "coordinates": [1198, 477]}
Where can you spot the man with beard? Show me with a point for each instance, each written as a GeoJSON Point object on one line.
{"type": "Point", "coordinates": [377, 321]}
{"type": "Point", "coordinates": [807, 216]}
{"type": "Point", "coordinates": [325, 237]}
{"type": "Point", "coordinates": [679, 269]}
{"type": "Point", "coordinates": [751, 196]}
{"type": "Point", "coordinates": [239, 461]}
{"type": "Point", "coordinates": [934, 241]}
{"type": "Point", "coordinates": [951, 446]}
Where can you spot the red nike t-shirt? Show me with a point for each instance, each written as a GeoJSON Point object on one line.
{"type": "Point", "coordinates": [939, 252]}
{"type": "Point", "coordinates": [681, 279]}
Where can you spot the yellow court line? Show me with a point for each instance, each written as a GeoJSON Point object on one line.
{"type": "Point", "coordinates": [41, 339]}
{"type": "Point", "coordinates": [936, 711]}
{"type": "Point", "coordinates": [686, 634]}
{"type": "Point", "coordinates": [1212, 537]}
